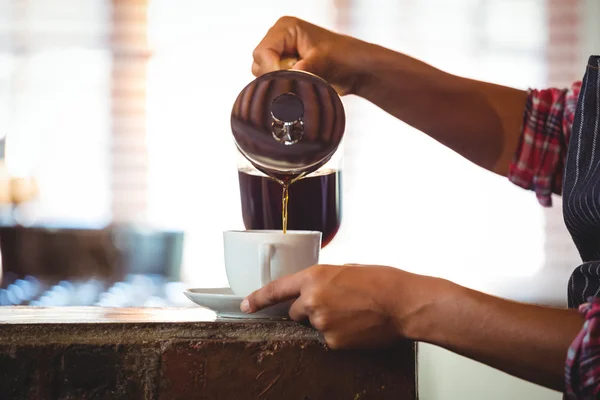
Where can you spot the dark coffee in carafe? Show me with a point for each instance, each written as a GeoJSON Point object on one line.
{"type": "Point", "coordinates": [314, 202]}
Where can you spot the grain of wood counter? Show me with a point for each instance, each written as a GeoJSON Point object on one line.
{"type": "Point", "coordinates": [184, 353]}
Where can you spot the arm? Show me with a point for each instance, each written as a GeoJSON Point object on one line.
{"type": "Point", "coordinates": [520, 134]}
{"type": "Point", "coordinates": [486, 123]}
{"type": "Point", "coordinates": [527, 341]}
{"type": "Point", "coordinates": [372, 306]}
{"type": "Point", "coordinates": [479, 120]}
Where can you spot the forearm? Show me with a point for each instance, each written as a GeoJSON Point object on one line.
{"type": "Point", "coordinates": [527, 341]}
{"type": "Point", "coordinates": [480, 121]}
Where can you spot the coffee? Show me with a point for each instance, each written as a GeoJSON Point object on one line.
{"type": "Point", "coordinates": [314, 203]}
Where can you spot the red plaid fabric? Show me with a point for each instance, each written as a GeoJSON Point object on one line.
{"type": "Point", "coordinates": [582, 372]}
{"type": "Point", "coordinates": [540, 157]}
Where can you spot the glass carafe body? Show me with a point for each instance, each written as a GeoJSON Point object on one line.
{"type": "Point", "coordinates": [314, 202]}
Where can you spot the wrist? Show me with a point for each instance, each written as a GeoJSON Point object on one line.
{"type": "Point", "coordinates": [361, 61]}
{"type": "Point", "coordinates": [364, 66]}
{"type": "Point", "coordinates": [438, 301]}
{"type": "Point", "coordinates": [386, 74]}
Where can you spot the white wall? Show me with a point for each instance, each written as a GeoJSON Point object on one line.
{"type": "Point", "coordinates": [591, 28]}
{"type": "Point", "coordinates": [446, 376]}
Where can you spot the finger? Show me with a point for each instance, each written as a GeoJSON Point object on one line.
{"type": "Point", "coordinates": [308, 65]}
{"type": "Point", "coordinates": [335, 341]}
{"type": "Point", "coordinates": [266, 59]}
{"type": "Point", "coordinates": [278, 291]}
{"type": "Point", "coordinates": [280, 40]}
{"type": "Point", "coordinates": [284, 63]}
{"type": "Point", "coordinates": [314, 63]}
{"type": "Point", "coordinates": [298, 311]}
{"type": "Point", "coordinates": [256, 69]}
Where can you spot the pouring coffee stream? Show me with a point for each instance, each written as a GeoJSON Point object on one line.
{"type": "Point", "coordinates": [288, 126]}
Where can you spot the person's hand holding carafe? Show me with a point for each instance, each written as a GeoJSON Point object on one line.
{"type": "Point", "coordinates": [333, 57]}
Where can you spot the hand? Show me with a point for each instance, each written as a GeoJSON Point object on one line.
{"type": "Point", "coordinates": [334, 57]}
{"type": "Point", "coordinates": [352, 305]}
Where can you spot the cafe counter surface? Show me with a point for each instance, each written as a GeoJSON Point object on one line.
{"type": "Point", "coordinates": [185, 353]}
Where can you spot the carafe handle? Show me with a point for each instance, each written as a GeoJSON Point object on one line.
{"type": "Point", "coordinates": [288, 62]}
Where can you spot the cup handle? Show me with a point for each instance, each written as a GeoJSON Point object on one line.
{"type": "Point", "coordinates": [264, 258]}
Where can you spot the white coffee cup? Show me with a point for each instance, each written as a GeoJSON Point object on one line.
{"type": "Point", "coordinates": [254, 258]}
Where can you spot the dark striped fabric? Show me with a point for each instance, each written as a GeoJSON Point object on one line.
{"type": "Point", "coordinates": [581, 188]}
{"type": "Point", "coordinates": [581, 212]}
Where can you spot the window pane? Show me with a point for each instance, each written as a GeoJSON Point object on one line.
{"type": "Point", "coordinates": [54, 103]}
{"type": "Point", "coordinates": [408, 201]}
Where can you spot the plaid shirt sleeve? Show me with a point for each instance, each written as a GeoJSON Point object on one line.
{"type": "Point", "coordinates": [540, 157]}
{"type": "Point", "coordinates": [582, 371]}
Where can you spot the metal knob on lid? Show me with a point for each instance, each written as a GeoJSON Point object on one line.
{"type": "Point", "coordinates": [287, 111]}
{"type": "Point", "coordinates": [288, 122]}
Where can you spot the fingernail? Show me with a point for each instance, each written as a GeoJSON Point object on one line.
{"type": "Point", "coordinates": [245, 306]}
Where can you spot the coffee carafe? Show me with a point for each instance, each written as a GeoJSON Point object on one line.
{"type": "Point", "coordinates": [288, 126]}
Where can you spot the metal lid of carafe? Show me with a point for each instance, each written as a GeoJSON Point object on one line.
{"type": "Point", "coordinates": [288, 122]}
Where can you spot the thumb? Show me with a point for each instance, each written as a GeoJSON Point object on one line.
{"type": "Point", "coordinates": [314, 65]}
{"type": "Point", "coordinates": [308, 64]}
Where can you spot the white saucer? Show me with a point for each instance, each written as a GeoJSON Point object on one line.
{"type": "Point", "coordinates": [227, 305]}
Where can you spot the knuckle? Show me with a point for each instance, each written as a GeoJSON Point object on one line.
{"type": "Point", "coordinates": [316, 273]}
{"type": "Point", "coordinates": [326, 47]}
{"type": "Point", "coordinates": [256, 53]}
{"type": "Point", "coordinates": [333, 342]}
{"type": "Point", "coordinates": [312, 301]}
{"type": "Point", "coordinates": [320, 322]}
{"type": "Point", "coordinates": [270, 291]}
{"type": "Point", "coordinates": [287, 20]}
{"type": "Point", "coordinates": [295, 311]}
{"type": "Point", "coordinates": [295, 316]}
{"type": "Point", "coordinates": [255, 69]}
